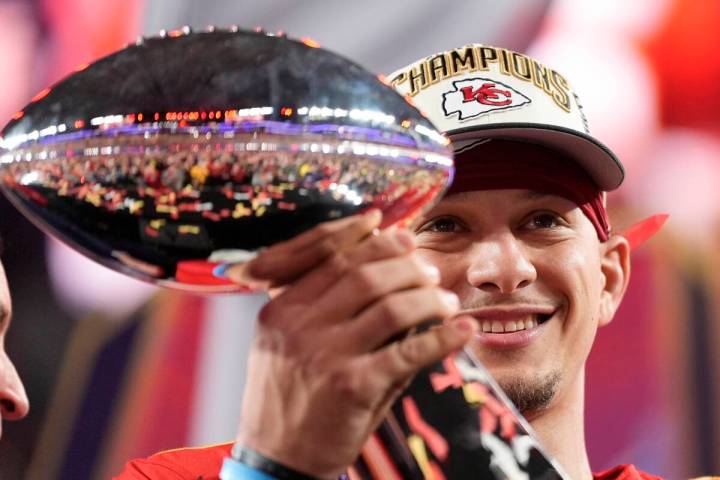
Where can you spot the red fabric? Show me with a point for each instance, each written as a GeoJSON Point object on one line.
{"type": "Point", "coordinates": [504, 164]}
{"type": "Point", "coordinates": [199, 272]}
{"type": "Point", "coordinates": [181, 464]}
{"type": "Point", "coordinates": [624, 472]}
{"type": "Point", "coordinates": [204, 464]}
{"type": "Point", "coordinates": [641, 231]}
{"type": "Point", "coordinates": [161, 413]}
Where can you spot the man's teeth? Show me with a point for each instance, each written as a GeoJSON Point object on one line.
{"type": "Point", "coordinates": [496, 326]}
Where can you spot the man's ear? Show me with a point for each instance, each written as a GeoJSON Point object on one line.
{"type": "Point", "coordinates": [615, 268]}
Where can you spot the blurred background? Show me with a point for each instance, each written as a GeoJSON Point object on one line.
{"type": "Point", "coordinates": [116, 369]}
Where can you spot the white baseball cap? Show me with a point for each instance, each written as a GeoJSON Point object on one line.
{"type": "Point", "coordinates": [479, 92]}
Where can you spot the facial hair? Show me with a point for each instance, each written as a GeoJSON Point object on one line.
{"type": "Point", "coordinates": [532, 395]}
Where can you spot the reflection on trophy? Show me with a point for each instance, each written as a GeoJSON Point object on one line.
{"type": "Point", "coordinates": [189, 150]}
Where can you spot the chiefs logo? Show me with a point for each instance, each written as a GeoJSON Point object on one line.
{"type": "Point", "coordinates": [478, 96]}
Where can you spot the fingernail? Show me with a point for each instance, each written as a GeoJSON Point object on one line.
{"type": "Point", "coordinates": [432, 272]}
{"type": "Point", "coordinates": [240, 274]}
{"type": "Point", "coordinates": [405, 238]}
{"type": "Point", "coordinates": [219, 271]}
{"type": "Point", "coordinates": [450, 299]}
{"type": "Point", "coordinates": [464, 324]}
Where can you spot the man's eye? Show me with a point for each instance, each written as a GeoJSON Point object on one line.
{"type": "Point", "coordinates": [544, 220]}
{"type": "Point", "coordinates": [441, 225]}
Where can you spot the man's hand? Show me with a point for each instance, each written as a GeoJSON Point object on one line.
{"type": "Point", "coordinates": [330, 355]}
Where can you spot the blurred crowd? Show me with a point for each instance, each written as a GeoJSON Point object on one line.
{"type": "Point", "coordinates": [215, 182]}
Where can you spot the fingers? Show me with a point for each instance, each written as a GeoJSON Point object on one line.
{"type": "Point", "coordinates": [352, 261]}
{"type": "Point", "coordinates": [394, 315]}
{"type": "Point", "coordinates": [286, 261]}
{"type": "Point", "coordinates": [402, 359]}
{"type": "Point", "coordinates": [363, 283]}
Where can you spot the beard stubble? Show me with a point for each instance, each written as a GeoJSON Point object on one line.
{"type": "Point", "coordinates": [532, 395]}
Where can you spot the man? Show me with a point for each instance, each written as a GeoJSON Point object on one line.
{"type": "Point", "coordinates": [13, 401]}
{"type": "Point", "coordinates": [518, 260]}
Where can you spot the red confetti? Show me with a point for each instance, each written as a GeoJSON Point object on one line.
{"type": "Point", "coordinates": [437, 444]}
{"type": "Point", "coordinates": [441, 381]}
{"type": "Point", "coordinates": [151, 232]}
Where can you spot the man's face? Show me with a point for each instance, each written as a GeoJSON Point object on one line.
{"type": "Point", "coordinates": [530, 268]}
{"type": "Point", "coordinates": [13, 401]}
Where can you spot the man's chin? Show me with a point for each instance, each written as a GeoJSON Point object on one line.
{"type": "Point", "coordinates": [531, 395]}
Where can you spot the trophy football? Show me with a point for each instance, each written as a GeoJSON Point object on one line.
{"type": "Point", "coordinates": [191, 149]}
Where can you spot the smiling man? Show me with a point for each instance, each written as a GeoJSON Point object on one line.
{"type": "Point", "coordinates": [518, 259]}
{"type": "Point", "coordinates": [534, 265]}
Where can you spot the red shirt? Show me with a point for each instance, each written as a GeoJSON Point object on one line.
{"type": "Point", "coordinates": [182, 463]}
{"type": "Point", "coordinates": [624, 472]}
{"type": "Point", "coordinates": [204, 464]}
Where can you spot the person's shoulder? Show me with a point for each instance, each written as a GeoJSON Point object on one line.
{"type": "Point", "coordinates": [207, 455]}
{"type": "Point", "coordinates": [624, 472]}
{"type": "Point", "coordinates": [198, 463]}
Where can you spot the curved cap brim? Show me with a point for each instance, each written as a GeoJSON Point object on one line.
{"type": "Point", "coordinates": [597, 159]}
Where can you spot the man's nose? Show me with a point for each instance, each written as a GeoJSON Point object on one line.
{"type": "Point", "coordinates": [14, 403]}
{"type": "Point", "coordinates": [499, 264]}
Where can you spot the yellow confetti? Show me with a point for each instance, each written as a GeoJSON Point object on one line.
{"type": "Point", "coordinates": [472, 394]}
{"type": "Point", "coordinates": [189, 229]}
{"type": "Point", "coordinates": [157, 224]}
{"type": "Point", "coordinates": [417, 447]}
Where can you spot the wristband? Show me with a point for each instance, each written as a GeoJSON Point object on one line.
{"type": "Point", "coordinates": [266, 466]}
{"type": "Point", "coordinates": [234, 470]}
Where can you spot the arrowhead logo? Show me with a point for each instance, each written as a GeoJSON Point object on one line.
{"type": "Point", "coordinates": [477, 96]}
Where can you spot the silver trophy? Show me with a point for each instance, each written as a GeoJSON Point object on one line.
{"type": "Point", "coordinates": [190, 149]}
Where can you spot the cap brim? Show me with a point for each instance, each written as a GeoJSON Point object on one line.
{"type": "Point", "coordinates": [602, 165]}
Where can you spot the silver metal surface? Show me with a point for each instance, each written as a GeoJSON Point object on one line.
{"type": "Point", "coordinates": [186, 150]}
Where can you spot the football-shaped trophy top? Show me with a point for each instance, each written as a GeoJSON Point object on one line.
{"type": "Point", "coordinates": [190, 149]}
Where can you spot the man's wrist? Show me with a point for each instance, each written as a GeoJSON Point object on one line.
{"type": "Point", "coordinates": [249, 464]}
{"type": "Point", "coordinates": [234, 470]}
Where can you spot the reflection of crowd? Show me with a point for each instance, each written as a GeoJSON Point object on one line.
{"type": "Point", "coordinates": [218, 183]}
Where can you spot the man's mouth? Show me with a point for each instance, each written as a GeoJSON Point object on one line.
{"type": "Point", "coordinates": [511, 327]}
{"type": "Point", "coordinates": [526, 322]}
